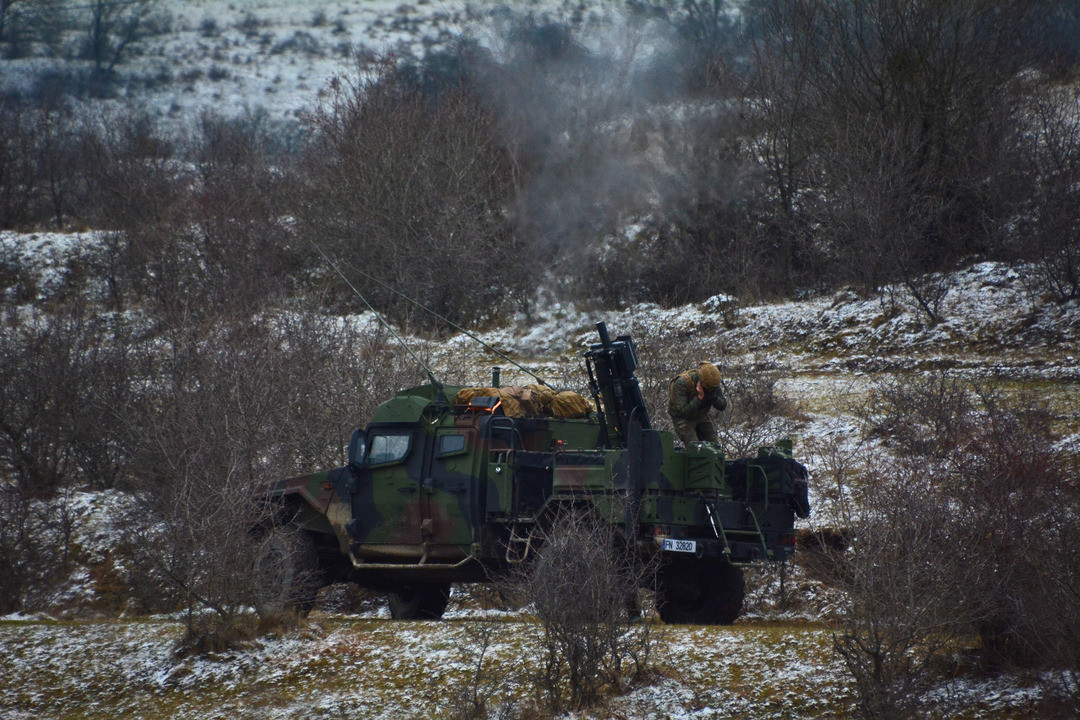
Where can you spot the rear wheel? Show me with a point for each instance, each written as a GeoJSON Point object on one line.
{"type": "Point", "coordinates": [286, 573]}
{"type": "Point", "coordinates": [419, 602]}
{"type": "Point", "coordinates": [700, 593]}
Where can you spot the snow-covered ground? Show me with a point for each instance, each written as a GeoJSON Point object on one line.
{"type": "Point", "coordinates": [369, 667]}
{"type": "Point", "coordinates": [232, 57]}
{"type": "Point", "coordinates": [988, 314]}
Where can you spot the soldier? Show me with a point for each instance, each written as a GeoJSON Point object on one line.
{"type": "Point", "coordinates": [692, 395]}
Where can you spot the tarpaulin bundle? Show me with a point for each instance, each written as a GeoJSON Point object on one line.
{"type": "Point", "coordinates": [569, 404]}
{"type": "Point", "coordinates": [530, 401]}
{"type": "Point", "coordinates": [542, 396]}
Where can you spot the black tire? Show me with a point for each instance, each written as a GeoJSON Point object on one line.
{"type": "Point", "coordinates": [700, 593]}
{"type": "Point", "coordinates": [419, 602]}
{"type": "Point", "coordinates": [286, 573]}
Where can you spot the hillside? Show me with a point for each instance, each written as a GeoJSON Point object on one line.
{"type": "Point", "coordinates": [254, 173]}
{"type": "Point", "coordinates": [273, 56]}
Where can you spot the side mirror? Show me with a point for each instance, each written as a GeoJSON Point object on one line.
{"type": "Point", "coordinates": [357, 449]}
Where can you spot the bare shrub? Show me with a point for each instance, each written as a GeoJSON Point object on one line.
{"type": "Point", "coordinates": [130, 180]}
{"type": "Point", "coordinates": [958, 537]}
{"type": "Point", "coordinates": [925, 416]}
{"type": "Point", "coordinates": [992, 457]}
{"type": "Point", "coordinates": [1011, 489]}
{"type": "Point", "coordinates": [18, 282]}
{"type": "Point", "coordinates": [1056, 567]}
{"type": "Point", "coordinates": [55, 375]}
{"type": "Point", "coordinates": [900, 564]}
{"type": "Point", "coordinates": [197, 237]}
{"type": "Point", "coordinates": [902, 575]}
{"type": "Point", "coordinates": [105, 391]}
{"type": "Point", "coordinates": [300, 42]}
{"type": "Point", "coordinates": [583, 589]}
{"type": "Point", "coordinates": [35, 547]}
{"type": "Point", "coordinates": [35, 393]}
{"type": "Point", "coordinates": [224, 411]}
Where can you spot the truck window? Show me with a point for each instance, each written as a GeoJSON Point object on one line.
{"type": "Point", "coordinates": [388, 448]}
{"type": "Point", "coordinates": [450, 445]}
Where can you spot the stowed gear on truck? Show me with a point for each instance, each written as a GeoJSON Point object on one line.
{"type": "Point", "coordinates": [438, 492]}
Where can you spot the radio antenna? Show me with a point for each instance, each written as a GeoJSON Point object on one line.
{"type": "Point", "coordinates": [449, 322]}
{"type": "Point", "coordinates": [434, 381]}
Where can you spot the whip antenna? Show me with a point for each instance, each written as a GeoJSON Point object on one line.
{"type": "Point", "coordinates": [430, 374]}
{"type": "Point", "coordinates": [451, 323]}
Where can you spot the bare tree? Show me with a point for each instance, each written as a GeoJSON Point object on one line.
{"type": "Point", "coordinates": [24, 22]}
{"type": "Point", "coordinates": [893, 120]}
{"type": "Point", "coordinates": [45, 362]}
{"type": "Point", "coordinates": [406, 191]}
{"type": "Point", "coordinates": [113, 28]}
{"type": "Point", "coordinates": [880, 216]}
{"type": "Point", "coordinates": [16, 166]}
{"type": "Point", "coordinates": [1050, 225]}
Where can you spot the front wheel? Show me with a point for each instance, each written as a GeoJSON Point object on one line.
{"type": "Point", "coordinates": [286, 572]}
{"type": "Point", "coordinates": [419, 602]}
{"type": "Point", "coordinates": [700, 592]}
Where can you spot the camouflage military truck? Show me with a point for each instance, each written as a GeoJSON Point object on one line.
{"type": "Point", "coordinates": [437, 492]}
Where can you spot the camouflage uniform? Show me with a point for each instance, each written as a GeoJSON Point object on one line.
{"type": "Point", "coordinates": [689, 413]}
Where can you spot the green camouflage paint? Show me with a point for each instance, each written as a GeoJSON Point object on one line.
{"type": "Point", "coordinates": [436, 494]}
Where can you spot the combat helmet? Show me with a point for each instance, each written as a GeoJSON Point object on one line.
{"type": "Point", "coordinates": [709, 375]}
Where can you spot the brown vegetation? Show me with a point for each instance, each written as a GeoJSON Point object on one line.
{"type": "Point", "coordinates": [959, 540]}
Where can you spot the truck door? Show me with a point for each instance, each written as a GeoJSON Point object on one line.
{"type": "Point", "coordinates": [395, 463]}
{"type": "Point", "coordinates": [501, 442]}
{"type": "Point", "coordinates": [449, 501]}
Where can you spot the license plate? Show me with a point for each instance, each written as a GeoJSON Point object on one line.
{"type": "Point", "coordinates": [687, 546]}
